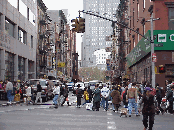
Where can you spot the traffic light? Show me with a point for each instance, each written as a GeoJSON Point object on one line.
{"type": "Point", "coordinates": [162, 69]}
{"type": "Point", "coordinates": [81, 25]}
{"type": "Point", "coordinates": [75, 25]}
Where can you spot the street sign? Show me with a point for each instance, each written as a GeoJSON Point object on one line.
{"type": "Point", "coordinates": [154, 59]}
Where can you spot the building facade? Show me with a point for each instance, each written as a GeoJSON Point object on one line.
{"type": "Point", "coordinates": [18, 36]}
{"type": "Point", "coordinates": [138, 50]}
{"type": "Point", "coordinates": [96, 29]}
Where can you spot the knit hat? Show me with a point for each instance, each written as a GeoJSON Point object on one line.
{"type": "Point", "coordinates": [148, 89]}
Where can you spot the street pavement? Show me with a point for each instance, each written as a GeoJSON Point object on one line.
{"type": "Point", "coordinates": [35, 117]}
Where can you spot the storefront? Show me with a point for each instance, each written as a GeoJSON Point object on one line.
{"type": "Point", "coordinates": [9, 66]}
{"type": "Point", "coordinates": [139, 59]}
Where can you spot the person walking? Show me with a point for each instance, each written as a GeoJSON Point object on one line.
{"type": "Point", "coordinates": [159, 98]}
{"type": "Point", "coordinates": [28, 94]}
{"type": "Point", "coordinates": [79, 96]}
{"type": "Point", "coordinates": [170, 98]}
{"type": "Point", "coordinates": [9, 89]}
{"type": "Point", "coordinates": [96, 102]}
{"type": "Point", "coordinates": [66, 95]}
{"type": "Point", "coordinates": [116, 98]}
{"type": "Point", "coordinates": [124, 94]}
{"type": "Point", "coordinates": [86, 96]}
{"type": "Point", "coordinates": [90, 94]}
{"type": "Point", "coordinates": [39, 89]}
{"type": "Point", "coordinates": [112, 89]}
{"type": "Point", "coordinates": [132, 99]}
{"type": "Point", "coordinates": [56, 93]}
{"type": "Point", "coordinates": [105, 95]}
{"type": "Point", "coordinates": [148, 110]}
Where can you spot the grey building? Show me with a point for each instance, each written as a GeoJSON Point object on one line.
{"type": "Point", "coordinates": [18, 36]}
{"type": "Point", "coordinates": [96, 29]}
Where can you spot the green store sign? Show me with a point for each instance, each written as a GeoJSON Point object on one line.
{"type": "Point", "coordinates": [164, 40]}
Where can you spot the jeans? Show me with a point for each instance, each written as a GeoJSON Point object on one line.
{"type": "Point", "coordinates": [103, 101]}
{"type": "Point", "coordinates": [38, 97]}
{"type": "Point", "coordinates": [131, 102]}
{"type": "Point", "coordinates": [9, 95]}
{"type": "Point", "coordinates": [113, 108]}
{"type": "Point", "coordinates": [55, 99]}
{"type": "Point", "coordinates": [86, 101]}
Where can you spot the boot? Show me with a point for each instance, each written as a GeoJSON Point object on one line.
{"type": "Point", "coordinates": [56, 106]}
{"type": "Point", "coordinates": [68, 104]}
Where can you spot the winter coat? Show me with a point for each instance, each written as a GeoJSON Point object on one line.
{"type": "Point", "coordinates": [158, 93]}
{"type": "Point", "coordinates": [97, 94]}
{"type": "Point", "coordinates": [39, 88]}
{"type": "Point", "coordinates": [86, 95]}
{"type": "Point", "coordinates": [65, 93]}
{"type": "Point", "coordinates": [56, 90]}
{"type": "Point", "coordinates": [79, 92]}
{"type": "Point", "coordinates": [90, 93]}
{"type": "Point", "coordinates": [148, 106]}
{"type": "Point", "coordinates": [116, 98]}
{"type": "Point", "coordinates": [28, 91]}
{"type": "Point", "coordinates": [9, 86]}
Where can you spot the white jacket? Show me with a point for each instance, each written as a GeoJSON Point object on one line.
{"type": "Point", "coordinates": [56, 90]}
{"type": "Point", "coordinates": [105, 92]}
{"type": "Point", "coordinates": [28, 91]}
{"type": "Point", "coordinates": [9, 86]}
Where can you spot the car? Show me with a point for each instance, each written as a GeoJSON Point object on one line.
{"type": "Point", "coordinates": [82, 86]}
{"type": "Point", "coordinates": [70, 86]}
{"type": "Point", "coordinates": [46, 90]}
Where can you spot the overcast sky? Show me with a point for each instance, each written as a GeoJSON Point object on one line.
{"type": "Point", "coordinates": [73, 7]}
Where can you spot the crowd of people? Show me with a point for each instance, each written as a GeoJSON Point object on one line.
{"type": "Point", "coordinates": [131, 95]}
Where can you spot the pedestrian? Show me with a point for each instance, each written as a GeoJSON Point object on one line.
{"type": "Point", "coordinates": [112, 89]}
{"type": "Point", "coordinates": [79, 96]}
{"type": "Point", "coordinates": [86, 96]}
{"type": "Point", "coordinates": [56, 93]}
{"type": "Point", "coordinates": [132, 99]}
{"type": "Point", "coordinates": [28, 94]}
{"type": "Point", "coordinates": [66, 95]}
{"type": "Point", "coordinates": [124, 94]}
{"type": "Point", "coordinates": [61, 89]}
{"type": "Point", "coordinates": [159, 98]}
{"type": "Point", "coordinates": [97, 98]}
{"type": "Point", "coordinates": [9, 89]}
{"type": "Point", "coordinates": [170, 98]}
{"type": "Point", "coordinates": [90, 94]}
{"type": "Point", "coordinates": [14, 91]}
{"type": "Point", "coordinates": [148, 110]}
{"type": "Point", "coordinates": [116, 98]}
{"type": "Point", "coordinates": [38, 96]}
{"type": "Point", "coordinates": [105, 95]}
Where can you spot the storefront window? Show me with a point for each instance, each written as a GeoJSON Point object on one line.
{"type": "Point", "coordinates": [9, 66]}
{"type": "Point", "coordinates": [21, 68]}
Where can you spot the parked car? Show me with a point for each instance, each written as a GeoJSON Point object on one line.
{"type": "Point", "coordinates": [46, 90]}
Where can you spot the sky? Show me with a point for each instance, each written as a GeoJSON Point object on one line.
{"type": "Point", "coordinates": [73, 7]}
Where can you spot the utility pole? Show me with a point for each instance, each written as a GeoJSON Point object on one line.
{"type": "Point", "coordinates": [152, 51]}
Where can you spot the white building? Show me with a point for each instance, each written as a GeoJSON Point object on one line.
{"type": "Point", "coordinates": [96, 29]}
{"type": "Point", "coordinates": [101, 56]}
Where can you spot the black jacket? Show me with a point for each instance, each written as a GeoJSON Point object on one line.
{"type": "Point", "coordinates": [39, 88]}
{"type": "Point", "coordinates": [89, 92]}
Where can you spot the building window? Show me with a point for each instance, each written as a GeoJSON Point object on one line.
{"type": "Point", "coordinates": [14, 3]}
{"type": "Point", "coordinates": [144, 4]}
{"type": "Point", "coordinates": [133, 17]}
{"type": "Point", "coordinates": [32, 17]}
{"type": "Point", "coordinates": [9, 27]}
{"type": "Point", "coordinates": [22, 8]}
{"type": "Point", "coordinates": [171, 18]}
{"type": "Point", "coordinates": [31, 41]}
{"type": "Point", "coordinates": [137, 12]}
{"type": "Point", "coordinates": [22, 36]}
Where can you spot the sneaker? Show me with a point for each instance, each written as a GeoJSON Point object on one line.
{"type": "Point", "coordinates": [129, 115]}
{"type": "Point", "coordinates": [137, 115]}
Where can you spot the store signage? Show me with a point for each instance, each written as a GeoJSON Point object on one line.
{"type": "Point", "coordinates": [172, 37]}
{"type": "Point", "coordinates": [161, 37]}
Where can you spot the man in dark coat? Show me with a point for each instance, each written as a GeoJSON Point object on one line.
{"type": "Point", "coordinates": [97, 97]}
{"type": "Point", "coordinates": [148, 108]}
{"type": "Point", "coordinates": [79, 95]}
{"type": "Point", "coordinates": [90, 94]}
{"type": "Point", "coordinates": [159, 97]}
{"type": "Point", "coordinates": [170, 98]}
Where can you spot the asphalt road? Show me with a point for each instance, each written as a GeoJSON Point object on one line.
{"type": "Point", "coordinates": [41, 117]}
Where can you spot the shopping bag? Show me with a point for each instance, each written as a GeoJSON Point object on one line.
{"type": "Point", "coordinates": [89, 106]}
{"type": "Point", "coordinates": [62, 98]}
